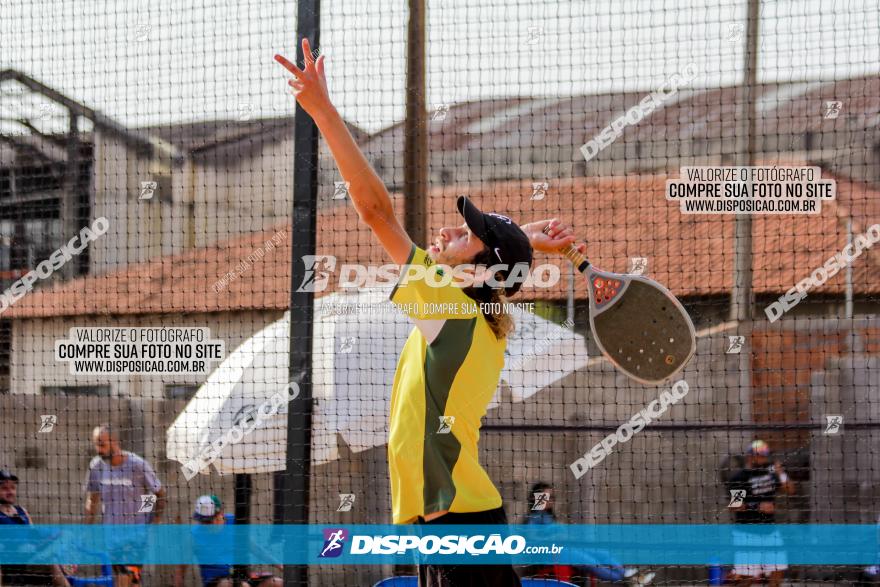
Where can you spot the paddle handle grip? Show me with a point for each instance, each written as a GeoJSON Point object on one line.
{"type": "Point", "coordinates": [572, 254]}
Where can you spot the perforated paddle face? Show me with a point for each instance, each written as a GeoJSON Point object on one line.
{"type": "Point", "coordinates": [640, 326]}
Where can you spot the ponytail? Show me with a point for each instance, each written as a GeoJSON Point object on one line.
{"type": "Point", "coordinates": [501, 323]}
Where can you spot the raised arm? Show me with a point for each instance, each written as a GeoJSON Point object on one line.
{"type": "Point", "coordinates": [554, 239]}
{"type": "Point", "coordinates": [368, 193]}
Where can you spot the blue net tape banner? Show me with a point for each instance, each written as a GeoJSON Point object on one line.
{"type": "Point", "coordinates": [801, 544]}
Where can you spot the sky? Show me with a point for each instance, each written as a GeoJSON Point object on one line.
{"type": "Point", "coordinates": [166, 61]}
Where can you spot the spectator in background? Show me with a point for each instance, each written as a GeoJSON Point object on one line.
{"type": "Point", "coordinates": [541, 504]}
{"type": "Point", "coordinates": [756, 487]}
{"type": "Point", "coordinates": [13, 514]}
{"type": "Point", "coordinates": [209, 511]}
{"type": "Point", "coordinates": [127, 487]}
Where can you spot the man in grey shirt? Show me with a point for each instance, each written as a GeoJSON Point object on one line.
{"type": "Point", "coordinates": [127, 487]}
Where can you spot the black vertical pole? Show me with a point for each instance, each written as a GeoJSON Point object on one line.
{"type": "Point", "coordinates": [70, 194]}
{"type": "Point", "coordinates": [242, 510]}
{"type": "Point", "coordinates": [742, 295]}
{"type": "Point", "coordinates": [415, 150]}
{"type": "Point", "coordinates": [294, 504]}
{"type": "Point", "coordinates": [243, 486]}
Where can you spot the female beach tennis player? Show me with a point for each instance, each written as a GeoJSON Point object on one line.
{"type": "Point", "coordinates": [451, 363]}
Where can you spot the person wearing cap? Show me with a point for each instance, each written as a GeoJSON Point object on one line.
{"type": "Point", "coordinates": [13, 514]}
{"type": "Point", "coordinates": [450, 365]}
{"type": "Point", "coordinates": [542, 512]}
{"type": "Point", "coordinates": [209, 511]}
{"type": "Point", "coordinates": [761, 481]}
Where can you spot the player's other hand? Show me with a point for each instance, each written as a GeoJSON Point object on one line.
{"type": "Point", "coordinates": [557, 235]}
{"type": "Point", "coordinates": [766, 507]}
{"type": "Point", "coordinates": [310, 85]}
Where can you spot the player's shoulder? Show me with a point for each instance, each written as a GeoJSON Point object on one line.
{"type": "Point", "coordinates": [27, 514]}
{"type": "Point", "coordinates": [136, 460]}
{"type": "Point", "coordinates": [419, 256]}
{"type": "Point", "coordinates": [95, 462]}
{"type": "Point", "coordinates": [740, 475]}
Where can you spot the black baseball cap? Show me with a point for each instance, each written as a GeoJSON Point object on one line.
{"type": "Point", "coordinates": [7, 476]}
{"type": "Point", "coordinates": [507, 242]}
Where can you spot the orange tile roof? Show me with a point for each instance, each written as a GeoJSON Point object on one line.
{"type": "Point", "coordinates": [619, 217]}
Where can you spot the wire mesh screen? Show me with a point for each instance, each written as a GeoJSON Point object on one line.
{"type": "Point", "coordinates": [153, 271]}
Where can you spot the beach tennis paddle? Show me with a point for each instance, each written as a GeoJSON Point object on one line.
{"type": "Point", "coordinates": [637, 323]}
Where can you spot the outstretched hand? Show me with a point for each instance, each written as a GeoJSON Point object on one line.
{"type": "Point", "coordinates": [310, 85]}
{"type": "Point", "coordinates": [557, 235]}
